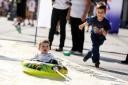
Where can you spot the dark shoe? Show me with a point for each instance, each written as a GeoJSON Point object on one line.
{"type": "Point", "coordinates": [32, 25]}
{"type": "Point", "coordinates": [97, 65]}
{"type": "Point", "coordinates": [87, 56]}
{"type": "Point", "coordinates": [85, 59]}
{"type": "Point", "coordinates": [29, 23]}
{"type": "Point", "coordinates": [59, 49]}
{"type": "Point", "coordinates": [124, 62]}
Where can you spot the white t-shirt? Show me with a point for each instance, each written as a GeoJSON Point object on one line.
{"type": "Point", "coordinates": [60, 4]}
{"type": "Point", "coordinates": [31, 4]}
{"type": "Point", "coordinates": [44, 57]}
{"type": "Point", "coordinates": [77, 8]}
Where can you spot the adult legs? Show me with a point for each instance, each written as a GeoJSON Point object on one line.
{"type": "Point", "coordinates": [54, 20]}
{"type": "Point", "coordinates": [77, 35]}
{"type": "Point", "coordinates": [63, 22]}
{"type": "Point", "coordinates": [80, 42]}
{"type": "Point", "coordinates": [74, 34]}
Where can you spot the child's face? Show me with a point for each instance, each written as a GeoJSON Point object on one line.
{"type": "Point", "coordinates": [44, 48]}
{"type": "Point", "coordinates": [100, 13]}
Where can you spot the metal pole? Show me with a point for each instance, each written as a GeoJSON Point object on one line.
{"type": "Point", "coordinates": [35, 36]}
{"type": "Point", "coordinates": [37, 22]}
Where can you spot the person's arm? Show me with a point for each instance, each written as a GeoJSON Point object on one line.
{"type": "Point", "coordinates": [104, 33]}
{"type": "Point", "coordinates": [85, 24]}
{"type": "Point", "coordinates": [87, 8]}
{"type": "Point", "coordinates": [88, 22]}
{"type": "Point", "coordinates": [69, 2]}
{"type": "Point", "coordinates": [69, 9]}
{"type": "Point", "coordinates": [68, 14]}
{"type": "Point", "coordinates": [53, 2]}
{"type": "Point", "coordinates": [106, 29]}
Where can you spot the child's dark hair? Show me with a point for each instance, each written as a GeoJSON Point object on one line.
{"type": "Point", "coordinates": [41, 42]}
{"type": "Point", "coordinates": [101, 5]}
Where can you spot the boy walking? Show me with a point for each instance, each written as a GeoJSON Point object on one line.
{"type": "Point", "coordinates": [100, 26]}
